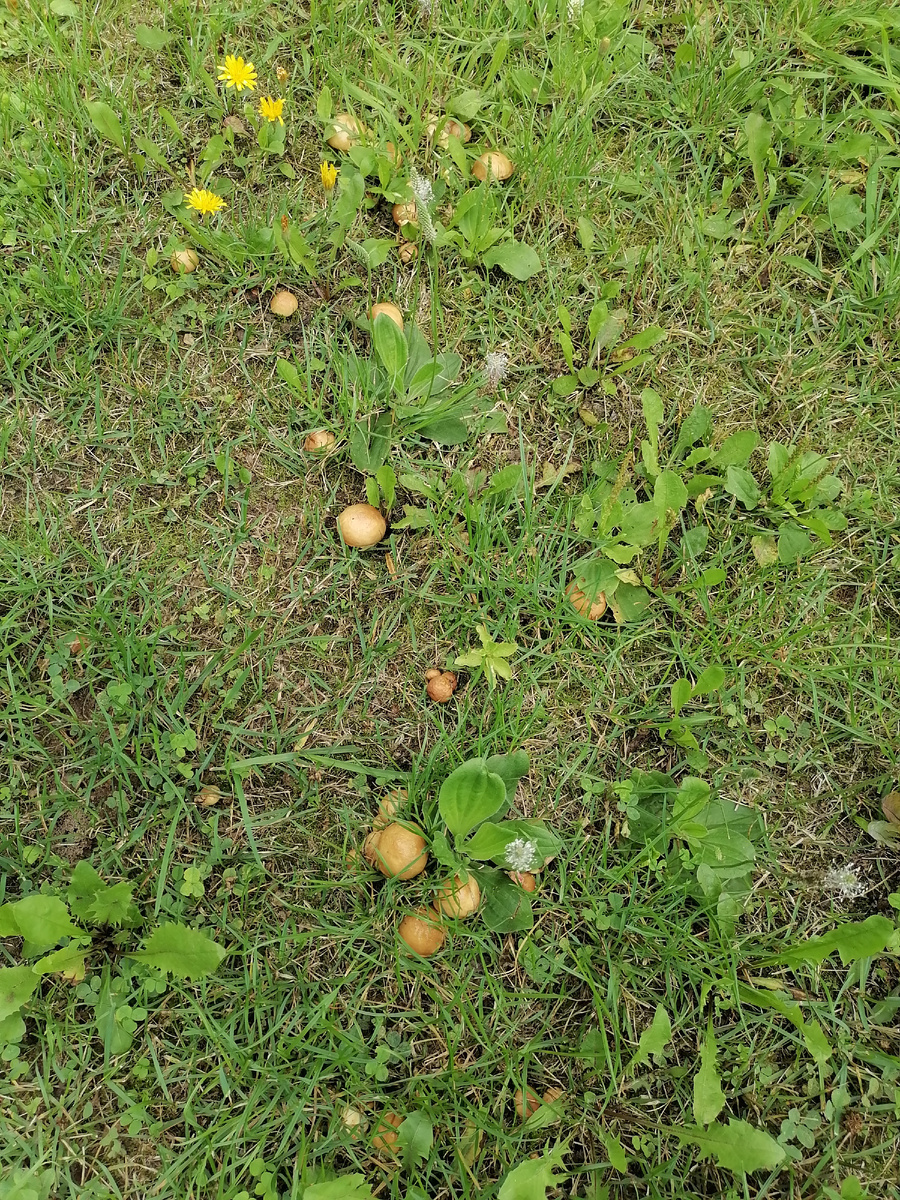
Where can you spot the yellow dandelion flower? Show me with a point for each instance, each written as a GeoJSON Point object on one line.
{"type": "Point", "coordinates": [329, 176]}
{"type": "Point", "coordinates": [238, 74]}
{"type": "Point", "coordinates": [271, 109]}
{"type": "Point", "coordinates": [204, 201]}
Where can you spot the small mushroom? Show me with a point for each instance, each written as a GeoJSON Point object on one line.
{"type": "Point", "coordinates": [526, 1103]}
{"type": "Point", "coordinates": [407, 252]}
{"type": "Point", "coordinates": [283, 303]}
{"type": "Point", "coordinates": [593, 609]}
{"type": "Point", "coordinates": [448, 129]}
{"type": "Point", "coordinates": [385, 1136]}
{"type": "Point", "coordinates": [400, 852]}
{"type": "Point", "coordinates": [405, 213]}
{"type": "Point", "coordinates": [389, 310]}
{"type": "Point", "coordinates": [422, 932]}
{"type": "Point", "coordinates": [184, 262]}
{"type": "Point", "coordinates": [458, 897]}
{"type": "Point", "coordinates": [393, 153]}
{"type": "Point", "coordinates": [552, 1095]}
{"type": "Point", "coordinates": [441, 687]}
{"type": "Point", "coordinates": [524, 879]}
{"type": "Point", "coordinates": [361, 525]}
{"type": "Point", "coordinates": [370, 846]}
{"type": "Point", "coordinates": [346, 131]}
{"type": "Point", "coordinates": [318, 440]}
{"type": "Point", "coordinates": [388, 808]}
{"type": "Point", "coordinates": [494, 163]}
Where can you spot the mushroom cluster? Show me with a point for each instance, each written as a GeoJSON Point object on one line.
{"type": "Point", "coordinates": [397, 849]}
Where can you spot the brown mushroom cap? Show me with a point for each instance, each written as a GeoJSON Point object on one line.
{"type": "Point", "coordinates": [385, 1136]}
{"type": "Point", "coordinates": [389, 806]}
{"type": "Point", "coordinates": [407, 252]}
{"type": "Point", "coordinates": [441, 687]}
{"type": "Point", "coordinates": [319, 439]}
{"type": "Point", "coordinates": [389, 310]}
{"type": "Point", "coordinates": [449, 127]}
{"type": "Point", "coordinates": [552, 1095]}
{"type": "Point", "coordinates": [361, 525]}
{"type": "Point", "coordinates": [370, 845]}
{"type": "Point", "coordinates": [405, 213]}
{"type": "Point", "coordinates": [393, 153]}
{"type": "Point", "coordinates": [526, 881]}
{"type": "Point", "coordinates": [184, 262]}
{"type": "Point", "coordinates": [494, 163]}
{"type": "Point", "coordinates": [283, 303]}
{"type": "Point", "coordinates": [526, 1103]}
{"type": "Point", "coordinates": [346, 132]}
{"type": "Point", "coordinates": [400, 852]}
{"type": "Point", "coordinates": [459, 898]}
{"type": "Point", "coordinates": [582, 603]}
{"type": "Point", "coordinates": [422, 932]}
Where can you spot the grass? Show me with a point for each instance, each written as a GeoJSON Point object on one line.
{"type": "Point", "coordinates": [231, 611]}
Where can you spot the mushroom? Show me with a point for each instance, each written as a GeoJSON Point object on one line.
{"type": "Point", "coordinates": [422, 932]}
{"type": "Point", "coordinates": [593, 609]}
{"type": "Point", "coordinates": [441, 686]}
{"type": "Point", "coordinates": [459, 897]}
{"type": "Point", "coordinates": [388, 808]}
{"type": "Point", "coordinates": [361, 525]}
{"type": "Point", "coordinates": [407, 252]}
{"type": "Point", "coordinates": [400, 852]}
{"type": "Point", "coordinates": [389, 310]}
{"type": "Point", "coordinates": [526, 1103]}
{"type": "Point", "coordinates": [552, 1095]}
{"type": "Point", "coordinates": [283, 303]}
{"type": "Point", "coordinates": [385, 1136]}
{"type": "Point", "coordinates": [370, 845]}
{"type": "Point", "coordinates": [494, 163]}
{"type": "Point", "coordinates": [346, 131]}
{"type": "Point", "coordinates": [405, 213]}
{"type": "Point", "coordinates": [184, 262]}
{"type": "Point", "coordinates": [393, 153]}
{"type": "Point", "coordinates": [318, 440]}
{"type": "Point", "coordinates": [524, 879]}
{"type": "Point", "coordinates": [449, 128]}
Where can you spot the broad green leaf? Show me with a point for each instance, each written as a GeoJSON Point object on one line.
{"type": "Point", "coordinates": [629, 603]}
{"type": "Point", "coordinates": [345, 1187]}
{"type": "Point", "coordinates": [736, 1147]}
{"type": "Point", "coordinates": [586, 235]}
{"type": "Point", "coordinates": [511, 768]}
{"type": "Point", "coordinates": [44, 920]}
{"type": "Point", "coordinates": [696, 427]}
{"type": "Point", "coordinates": [324, 109]}
{"type": "Point", "coordinates": [109, 1016]}
{"type": "Point", "coordinates": [151, 38]}
{"type": "Point", "coordinates": [718, 227]}
{"type": "Point", "coordinates": [765, 549]}
{"type": "Point", "coordinates": [9, 926]}
{"type": "Point", "coordinates": [63, 8]}
{"type": "Point", "coordinates": [608, 331]}
{"type": "Point", "coordinates": [291, 376]}
{"type": "Point", "coordinates": [470, 795]}
{"type": "Point", "coordinates": [12, 1030]}
{"type": "Point", "coordinates": [178, 950]}
{"type": "Point", "coordinates": [17, 984]}
{"type": "Point", "coordinates": [709, 1099]}
{"type": "Point", "coordinates": [793, 543]}
{"type": "Point", "coordinates": [741, 484]}
{"type": "Point", "coordinates": [736, 450]}
{"type": "Point", "coordinates": [531, 1179]}
{"type": "Point", "coordinates": [844, 210]}
{"type": "Point", "coordinates": [415, 1138]}
{"type": "Point", "coordinates": [618, 1159]}
{"type": "Point", "coordinates": [709, 680]}
{"type": "Point", "coordinates": [669, 496]}
{"type": "Point", "coordinates": [759, 139]}
{"type": "Point", "coordinates": [106, 123]}
{"type": "Point", "coordinates": [466, 104]}
{"type": "Point", "coordinates": [647, 338]}
{"type": "Point", "coordinates": [652, 405]}
{"type": "Point", "coordinates": [515, 258]}
{"type": "Point", "coordinates": [854, 940]}
{"type": "Point", "coordinates": [507, 907]}
{"type": "Point", "coordinates": [817, 1043]}
{"type": "Point", "coordinates": [153, 152]}
{"type": "Point", "coordinates": [490, 841]}
{"type": "Point", "coordinates": [387, 482]}
{"type": "Point", "coordinates": [654, 1039]}
{"type": "Point", "coordinates": [446, 431]}
{"type": "Point", "coordinates": [370, 443]}
{"type": "Point", "coordinates": [680, 694]}
{"type": "Point", "coordinates": [390, 346]}
{"type": "Point", "coordinates": [111, 905]}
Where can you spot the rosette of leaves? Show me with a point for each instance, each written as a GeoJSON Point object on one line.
{"type": "Point", "coordinates": [473, 803]}
{"type": "Point", "coordinates": [408, 390]}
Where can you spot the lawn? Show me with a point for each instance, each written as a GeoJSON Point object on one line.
{"type": "Point", "coordinates": [637, 451]}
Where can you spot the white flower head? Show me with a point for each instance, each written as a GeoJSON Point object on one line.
{"type": "Point", "coordinates": [522, 855]}
{"type": "Point", "coordinates": [845, 881]}
{"type": "Point", "coordinates": [574, 10]}
{"type": "Point", "coordinates": [496, 367]}
{"type": "Point", "coordinates": [426, 8]}
{"type": "Point", "coordinates": [423, 194]}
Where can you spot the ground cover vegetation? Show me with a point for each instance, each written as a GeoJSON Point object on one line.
{"type": "Point", "coordinates": [450, 577]}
